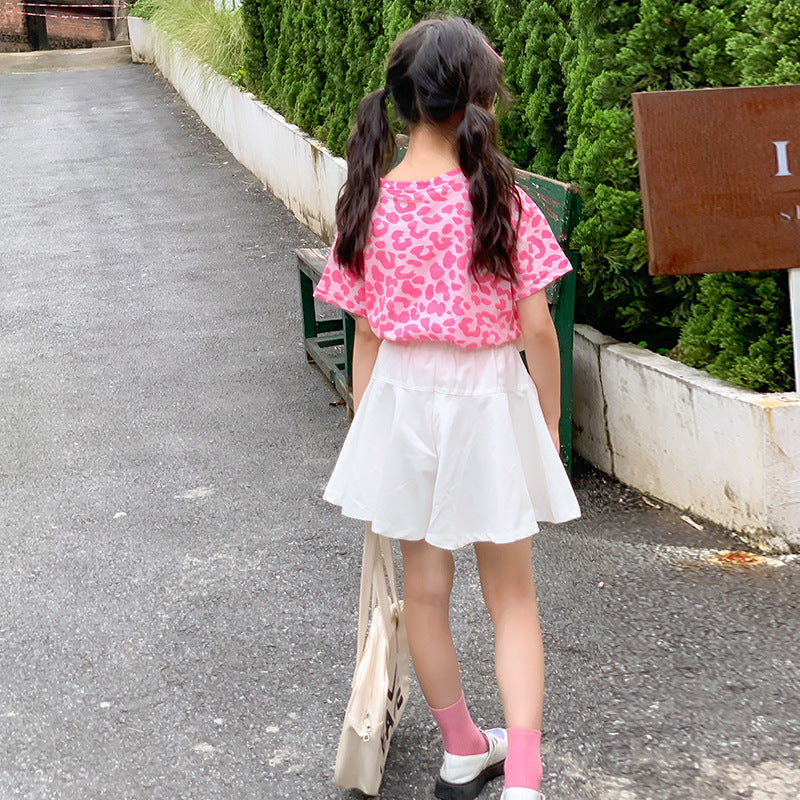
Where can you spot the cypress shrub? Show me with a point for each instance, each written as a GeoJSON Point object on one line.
{"type": "Point", "coordinates": [572, 65]}
{"type": "Point", "coordinates": [263, 25]}
{"type": "Point", "coordinates": [255, 54]}
{"type": "Point", "coordinates": [332, 26]}
{"type": "Point", "coordinates": [767, 48]}
{"type": "Point", "coordinates": [306, 55]}
{"type": "Point", "coordinates": [537, 48]}
{"type": "Point", "coordinates": [740, 330]}
{"type": "Point", "coordinates": [283, 81]}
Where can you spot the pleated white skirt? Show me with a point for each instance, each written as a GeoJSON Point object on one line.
{"type": "Point", "coordinates": [449, 445]}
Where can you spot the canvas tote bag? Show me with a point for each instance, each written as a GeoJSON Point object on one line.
{"type": "Point", "coordinates": [380, 681]}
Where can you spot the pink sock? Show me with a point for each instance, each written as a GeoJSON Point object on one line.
{"type": "Point", "coordinates": [523, 765]}
{"type": "Point", "coordinates": [461, 736]}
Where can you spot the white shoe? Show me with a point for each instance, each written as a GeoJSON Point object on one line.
{"type": "Point", "coordinates": [516, 793]}
{"type": "Point", "coordinates": [463, 777]}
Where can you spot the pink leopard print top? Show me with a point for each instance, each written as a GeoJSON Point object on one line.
{"type": "Point", "coordinates": [416, 283]}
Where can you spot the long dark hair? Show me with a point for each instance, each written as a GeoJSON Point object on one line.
{"type": "Point", "coordinates": [441, 71]}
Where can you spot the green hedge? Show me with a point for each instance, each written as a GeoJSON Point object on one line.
{"type": "Point", "coordinates": [572, 65]}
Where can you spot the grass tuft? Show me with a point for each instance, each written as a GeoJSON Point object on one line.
{"type": "Point", "coordinates": [215, 37]}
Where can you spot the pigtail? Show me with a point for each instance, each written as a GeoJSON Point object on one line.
{"type": "Point", "coordinates": [496, 206]}
{"type": "Point", "coordinates": [369, 152]}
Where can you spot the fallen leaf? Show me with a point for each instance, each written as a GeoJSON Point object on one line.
{"type": "Point", "coordinates": [738, 558]}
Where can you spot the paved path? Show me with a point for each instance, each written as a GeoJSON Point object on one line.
{"type": "Point", "coordinates": [177, 602]}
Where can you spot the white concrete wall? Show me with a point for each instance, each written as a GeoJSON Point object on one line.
{"type": "Point", "coordinates": [725, 453]}
{"type": "Point", "coordinates": [673, 432]}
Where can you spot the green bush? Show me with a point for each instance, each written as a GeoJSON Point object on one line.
{"type": "Point", "coordinates": [573, 65]}
{"type": "Point", "coordinates": [765, 50]}
{"type": "Point", "coordinates": [537, 46]}
{"type": "Point", "coordinates": [740, 330]}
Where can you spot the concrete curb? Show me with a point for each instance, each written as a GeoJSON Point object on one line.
{"type": "Point", "coordinates": [666, 429]}
{"type": "Point", "coordinates": [59, 60]}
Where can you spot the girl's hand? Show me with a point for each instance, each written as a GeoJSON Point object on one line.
{"type": "Point", "coordinates": [541, 352]}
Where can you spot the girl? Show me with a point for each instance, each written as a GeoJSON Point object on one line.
{"type": "Point", "coordinates": [442, 263]}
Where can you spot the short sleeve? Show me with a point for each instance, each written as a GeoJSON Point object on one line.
{"type": "Point", "coordinates": [540, 259]}
{"type": "Point", "coordinates": [341, 287]}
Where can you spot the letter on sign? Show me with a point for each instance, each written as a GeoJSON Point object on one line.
{"type": "Point", "coordinates": [782, 152]}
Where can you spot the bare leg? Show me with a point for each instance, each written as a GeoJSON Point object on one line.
{"type": "Point", "coordinates": [427, 582]}
{"type": "Point", "coordinates": [510, 596]}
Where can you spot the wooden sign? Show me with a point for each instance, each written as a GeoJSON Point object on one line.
{"type": "Point", "coordinates": [720, 175]}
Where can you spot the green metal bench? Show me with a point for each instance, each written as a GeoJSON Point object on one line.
{"type": "Point", "coordinates": [329, 338]}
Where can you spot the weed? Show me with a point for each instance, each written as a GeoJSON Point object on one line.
{"type": "Point", "coordinates": [215, 37]}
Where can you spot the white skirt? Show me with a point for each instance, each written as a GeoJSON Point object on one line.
{"type": "Point", "coordinates": [449, 445]}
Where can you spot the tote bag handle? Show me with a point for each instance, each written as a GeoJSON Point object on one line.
{"type": "Point", "coordinates": [377, 564]}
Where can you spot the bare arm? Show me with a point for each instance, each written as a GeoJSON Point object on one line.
{"type": "Point", "coordinates": [365, 351]}
{"type": "Point", "coordinates": [541, 352]}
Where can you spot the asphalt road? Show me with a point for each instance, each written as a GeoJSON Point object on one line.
{"type": "Point", "coordinates": [177, 603]}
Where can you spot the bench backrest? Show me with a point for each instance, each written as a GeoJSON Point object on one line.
{"type": "Point", "coordinates": [561, 205]}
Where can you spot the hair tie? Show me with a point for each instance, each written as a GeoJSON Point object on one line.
{"type": "Point", "coordinates": [492, 50]}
